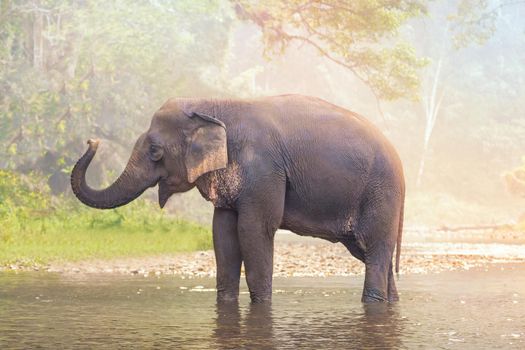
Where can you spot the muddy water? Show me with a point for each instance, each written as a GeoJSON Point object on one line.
{"type": "Point", "coordinates": [482, 308]}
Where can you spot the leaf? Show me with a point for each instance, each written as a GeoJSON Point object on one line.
{"type": "Point", "coordinates": [12, 149]}
{"type": "Point", "coordinates": [61, 126]}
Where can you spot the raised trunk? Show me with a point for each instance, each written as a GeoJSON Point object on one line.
{"type": "Point", "coordinates": [129, 185]}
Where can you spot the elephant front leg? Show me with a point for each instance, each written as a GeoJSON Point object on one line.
{"type": "Point", "coordinates": [256, 242]}
{"type": "Point", "coordinates": [227, 254]}
{"type": "Point", "coordinates": [260, 214]}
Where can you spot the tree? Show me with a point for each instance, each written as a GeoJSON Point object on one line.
{"type": "Point", "coordinates": [72, 69]}
{"type": "Point", "coordinates": [467, 24]}
{"type": "Point", "coordinates": [360, 35]}
{"type": "Point", "coordinates": [475, 21]}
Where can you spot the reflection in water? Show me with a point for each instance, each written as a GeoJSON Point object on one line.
{"type": "Point", "coordinates": [380, 326]}
{"type": "Point", "coordinates": [228, 325]}
{"type": "Point", "coordinates": [259, 326]}
{"type": "Point", "coordinates": [255, 331]}
{"type": "Point", "coordinates": [436, 311]}
{"type": "Point", "coordinates": [362, 326]}
{"type": "Point", "coordinates": [375, 325]}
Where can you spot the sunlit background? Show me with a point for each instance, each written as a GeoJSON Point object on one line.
{"type": "Point", "coordinates": [444, 80]}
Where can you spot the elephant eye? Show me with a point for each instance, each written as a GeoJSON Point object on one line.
{"type": "Point", "coordinates": [155, 152]}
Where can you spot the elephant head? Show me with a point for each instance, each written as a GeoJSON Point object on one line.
{"type": "Point", "coordinates": [180, 146]}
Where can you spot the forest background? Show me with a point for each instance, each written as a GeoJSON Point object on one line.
{"type": "Point", "coordinates": [444, 80]}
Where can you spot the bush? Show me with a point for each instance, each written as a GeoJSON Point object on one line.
{"type": "Point", "coordinates": [37, 227]}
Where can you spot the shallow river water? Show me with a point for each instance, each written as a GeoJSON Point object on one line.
{"type": "Point", "coordinates": [476, 309]}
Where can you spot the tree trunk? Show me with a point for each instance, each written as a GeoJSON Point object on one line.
{"type": "Point", "coordinates": [38, 40]}
{"type": "Point", "coordinates": [432, 104]}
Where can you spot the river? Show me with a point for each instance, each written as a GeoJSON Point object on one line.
{"type": "Point", "coordinates": [479, 308]}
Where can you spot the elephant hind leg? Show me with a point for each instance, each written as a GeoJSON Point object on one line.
{"type": "Point", "coordinates": [378, 226]}
{"type": "Point", "coordinates": [354, 248]}
{"type": "Point", "coordinates": [376, 283]}
{"type": "Point", "coordinates": [359, 253]}
{"type": "Point", "coordinates": [380, 282]}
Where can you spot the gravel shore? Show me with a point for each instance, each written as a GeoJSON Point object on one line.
{"type": "Point", "coordinates": [297, 256]}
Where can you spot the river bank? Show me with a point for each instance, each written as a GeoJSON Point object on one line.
{"type": "Point", "coordinates": [299, 256]}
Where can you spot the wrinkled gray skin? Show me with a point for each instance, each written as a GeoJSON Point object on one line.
{"type": "Point", "coordinates": [291, 162]}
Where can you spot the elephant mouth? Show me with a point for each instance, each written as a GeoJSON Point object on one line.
{"type": "Point", "coordinates": [169, 185]}
{"type": "Point", "coordinates": [165, 192]}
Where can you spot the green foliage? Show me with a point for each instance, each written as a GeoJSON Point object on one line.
{"type": "Point", "coordinates": [359, 35]}
{"type": "Point", "coordinates": [70, 70]}
{"type": "Point", "coordinates": [16, 192]}
{"type": "Point", "coordinates": [475, 21]}
{"type": "Point", "coordinates": [19, 201]}
{"type": "Point", "coordinates": [39, 229]}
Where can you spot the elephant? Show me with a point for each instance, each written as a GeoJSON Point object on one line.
{"type": "Point", "coordinates": [293, 162]}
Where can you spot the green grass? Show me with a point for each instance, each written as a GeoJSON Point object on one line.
{"type": "Point", "coordinates": [100, 235]}
{"type": "Point", "coordinates": [36, 228]}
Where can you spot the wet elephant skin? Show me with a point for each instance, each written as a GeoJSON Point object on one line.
{"type": "Point", "coordinates": [291, 162]}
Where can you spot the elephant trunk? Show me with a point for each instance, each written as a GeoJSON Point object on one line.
{"type": "Point", "coordinates": [129, 185]}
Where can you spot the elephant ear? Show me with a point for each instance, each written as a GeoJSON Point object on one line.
{"type": "Point", "coordinates": [207, 150]}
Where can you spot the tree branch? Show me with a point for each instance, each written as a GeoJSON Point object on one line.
{"type": "Point", "coordinates": [487, 14]}
{"type": "Point", "coordinates": [346, 65]}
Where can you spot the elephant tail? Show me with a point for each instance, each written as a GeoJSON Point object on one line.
{"type": "Point", "coordinates": [400, 233]}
